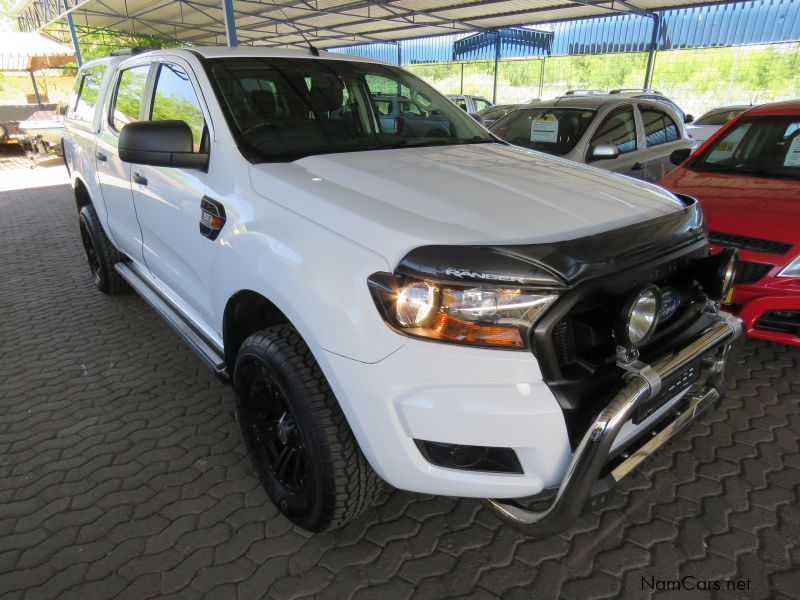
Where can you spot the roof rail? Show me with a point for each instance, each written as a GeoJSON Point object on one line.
{"type": "Point", "coordinates": [622, 90]}
{"type": "Point", "coordinates": [585, 93]}
{"type": "Point", "coordinates": [131, 51]}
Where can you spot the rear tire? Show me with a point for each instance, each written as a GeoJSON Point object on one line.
{"type": "Point", "coordinates": [298, 439]}
{"type": "Point", "coordinates": [101, 254]}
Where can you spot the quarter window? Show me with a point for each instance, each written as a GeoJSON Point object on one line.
{"type": "Point", "coordinates": [85, 93]}
{"type": "Point", "coordinates": [128, 100]}
{"type": "Point", "coordinates": [619, 129]}
{"type": "Point", "coordinates": [481, 104]}
{"type": "Point", "coordinates": [659, 128]}
{"type": "Point", "coordinates": [175, 99]}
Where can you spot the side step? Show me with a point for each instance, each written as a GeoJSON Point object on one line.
{"type": "Point", "coordinates": [210, 355]}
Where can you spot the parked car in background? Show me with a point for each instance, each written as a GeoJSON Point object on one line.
{"type": "Point", "coordinates": [630, 136]}
{"type": "Point", "coordinates": [399, 114]}
{"type": "Point", "coordinates": [470, 104]}
{"type": "Point", "coordinates": [645, 94]}
{"type": "Point", "coordinates": [490, 116]}
{"type": "Point", "coordinates": [747, 179]}
{"type": "Point", "coordinates": [711, 122]}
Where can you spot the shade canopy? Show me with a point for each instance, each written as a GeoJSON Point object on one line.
{"type": "Point", "coordinates": [325, 23]}
{"type": "Point", "coordinates": [31, 52]}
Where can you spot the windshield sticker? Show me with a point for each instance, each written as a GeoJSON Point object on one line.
{"type": "Point", "coordinates": [544, 128]}
{"type": "Point", "coordinates": [793, 154]}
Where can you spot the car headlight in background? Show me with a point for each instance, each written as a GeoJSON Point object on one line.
{"type": "Point", "coordinates": [639, 317]}
{"type": "Point", "coordinates": [497, 317]}
{"type": "Point", "coordinates": [792, 269]}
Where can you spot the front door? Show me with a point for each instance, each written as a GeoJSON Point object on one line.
{"type": "Point", "coordinates": [619, 129]}
{"type": "Point", "coordinates": [168, 199]}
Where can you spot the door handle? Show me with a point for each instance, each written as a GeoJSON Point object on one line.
{"type": "Point", "coordinates": [637, 166]}
{"type": "Point", "coordinates": [100, 156]}
{"type": "Point", "coordinates": [137, 178]}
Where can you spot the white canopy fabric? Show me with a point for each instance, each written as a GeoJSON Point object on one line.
{"type": "Point", "coordinates": [31, 52]}
{"type": "Point", "coordinates": [325, 23]}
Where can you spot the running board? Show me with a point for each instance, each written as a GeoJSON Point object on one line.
{"type": "Point", "coordinates": [193, 339]}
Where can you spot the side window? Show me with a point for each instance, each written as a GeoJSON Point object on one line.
{"type": "Point", "coordinates": [410, 107]}
{"type": "Point", "coordinates": [129, 96]}
{"type": "Point", "coordinates": [481, 104]}
{"type": "Point", "coordinates": [659, 128]}
{"type": "Point", "coordinates": [618, 129]}
{"type": "Point", "coordinates": [384, 107]}
{"type": "Point", "coordinates": [461, 102]}
{"type": "Point", "coordinates": [175, 99]}
{"type": "Point", "coordinates": [86, 90]}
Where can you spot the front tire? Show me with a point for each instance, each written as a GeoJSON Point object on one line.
{"type": "Point", "coordinates": [298, 439]}
{"type": "Point", "coordinates": [101, 254]}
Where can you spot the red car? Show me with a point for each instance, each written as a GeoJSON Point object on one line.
{"type": "Point", "coordinates": [747, 178]}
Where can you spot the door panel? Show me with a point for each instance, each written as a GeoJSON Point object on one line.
{"type": "Point", "coordinates": [168, 199]}
{"type": "Point", "coordinates": [113, 174]}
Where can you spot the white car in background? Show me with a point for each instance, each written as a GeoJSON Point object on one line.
{"type": "Point", "coordinates": [711, 122]}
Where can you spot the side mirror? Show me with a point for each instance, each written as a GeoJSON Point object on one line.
{"type": "Point", "coordinates": [605, 151]}
{"type": "Point", "coordinates": [160, 144]}
{"type": "Point", "coordinates": [679, 156]}
{"type": "Point", "coordinates": [688, 119]}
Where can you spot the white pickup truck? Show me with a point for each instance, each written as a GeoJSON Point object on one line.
{"type": "Point", "coordinates": [450, 314]}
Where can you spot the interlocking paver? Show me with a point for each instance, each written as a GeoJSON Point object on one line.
{"type": "Point", "coordinates": [122, 473]}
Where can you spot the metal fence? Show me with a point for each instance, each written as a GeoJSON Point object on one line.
{"type": "Point", "coordinates": [698, 78]}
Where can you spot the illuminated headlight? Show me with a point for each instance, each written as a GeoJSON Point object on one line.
{"type": "Point", "coordinates": [792, 269]}
{"type": "Point", "coordinates": [497, 317]}
{"type": "Point", "coordinates": [639, 317]}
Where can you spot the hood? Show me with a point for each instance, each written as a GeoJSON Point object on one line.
{"type": "Point", "coordinates": [753, 206]}
{"type": "Point", "coordinates": [392, 201]}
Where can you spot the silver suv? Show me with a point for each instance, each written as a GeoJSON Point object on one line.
{"type": "Point", "coordinates": [632, 136]}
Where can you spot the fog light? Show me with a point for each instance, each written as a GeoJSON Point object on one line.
{"type": "Point", "coordinates": [470, 458]}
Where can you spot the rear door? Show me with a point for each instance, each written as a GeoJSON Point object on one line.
{"type": "Point", "coordinates": [168, 199]}
{"type": "Point", "coordinates": [662, 136]}
{"type": "Point", "coordinates": [125, 105]}
{"type": "Point", "coordinates": [618, 127]}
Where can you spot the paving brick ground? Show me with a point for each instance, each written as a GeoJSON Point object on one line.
{"type": "Point", "coordinates": [122, 474]}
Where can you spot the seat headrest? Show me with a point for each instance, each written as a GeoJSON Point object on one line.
{"type": "Point", "coordinates": [326, 94]}
{"type": "Point", "coordinates": [264, 102]}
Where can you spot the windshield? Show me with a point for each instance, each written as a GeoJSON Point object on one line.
{"type": "Point", "coordinates": [765, 147]}
{"type": "Point", "coordinates": [719, 117]}
{"type": "Point", "coordinates": [282, 109]}
{"type": "Point", "coordinates": [551, 130]}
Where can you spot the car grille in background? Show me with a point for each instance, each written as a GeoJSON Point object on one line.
{"type": "Point", "coordinates": [751, 272]}
{"type": "Point", "coordinates": [781, 321]}
{"type": "Point", "coordinates": [749, 243]}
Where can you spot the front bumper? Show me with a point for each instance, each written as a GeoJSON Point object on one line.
{"type": "Point", "coordinates": [594, 468]}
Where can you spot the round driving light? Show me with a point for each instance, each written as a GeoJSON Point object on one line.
{"type": "Point", "coordinates": [640, 316]}
{"type": "Point", "coordinates": [727, 271]}
{"type": "Point", "coordinates": [414, 304]}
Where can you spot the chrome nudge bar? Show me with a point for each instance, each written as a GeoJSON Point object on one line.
{"type": "Point", "coordinates": [711, 349]}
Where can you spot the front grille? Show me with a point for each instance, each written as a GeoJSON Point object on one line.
{"type": "Point", "coordinates": [751, 272]}
{"type": "Point", "coordinates": [744, 242]}
{"type": "Point", "coordinates": [780, 321]}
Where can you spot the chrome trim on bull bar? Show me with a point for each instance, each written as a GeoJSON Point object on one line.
{"type": "Point", "coordinates": [592, 453]}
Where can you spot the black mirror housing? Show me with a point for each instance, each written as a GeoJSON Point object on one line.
{"type": "Point", "coordinates": [688, 119]}
{"type": "Point", "coordinates": [160, 144]}
{"type": "Point", "coordinates": [679, 156]}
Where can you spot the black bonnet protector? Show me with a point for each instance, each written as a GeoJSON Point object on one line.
{"type": "Point", "coordinates": [559, 264]}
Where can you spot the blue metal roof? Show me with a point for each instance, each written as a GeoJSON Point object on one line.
{"type": "Point", "coordinates": [730, 24]}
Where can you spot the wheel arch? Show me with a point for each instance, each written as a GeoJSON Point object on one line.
{"type": "Point", "coordinates": [246, 312]}
{"type": "Point", "coordinates": [82, 195]}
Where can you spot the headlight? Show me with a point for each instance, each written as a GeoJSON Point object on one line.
{"type": "Point", "coordinates": [497, 317]}
{"type": "Point", "coordinates": [792, 269]}
{"type": "Point", "coordinates": [639, 317]}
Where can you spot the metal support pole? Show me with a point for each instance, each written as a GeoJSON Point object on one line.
{"type": "Point", "coordinates": [541, 79]}
{"type": "Point", "coordinates": [496, 64]}
{"type": "Point", "coordinates": [73, 35]}
{"type": "Point", "coordinates": [648, 75]}
{"type": "Point", "coordinates": [461, 90]}
{"type": "Point", "coordinates": [36, 91]}
{"type": "Point", "coordinates": [399, 54]}
{"type": "Point", "coordinates": [230, 23]}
